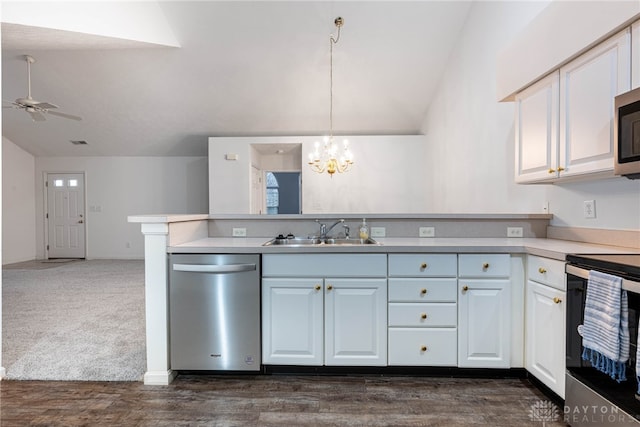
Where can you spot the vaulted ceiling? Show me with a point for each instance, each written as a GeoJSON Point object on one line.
{"type": "Point", "coordinates": [242, 68]}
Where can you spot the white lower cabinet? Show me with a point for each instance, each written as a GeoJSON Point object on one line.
{"type": "Point", "coordinates": [484, 311]}
{"type": "Point", "coordinates": [422, 310]}
{"type": "Point", "coordinates": [546, 322]}
{"type": "Point", "coordinates": [323, 319]}
{"type": "Point", "coordinates": [355, 322]}
{"type": "Point", "coordinates": [292, 321]}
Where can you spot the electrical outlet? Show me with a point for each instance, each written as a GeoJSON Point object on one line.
{"type": "Point", "coordinates": [427, 231]}
{"type": "Point", "coordinates": [545, 207]}
{"type": "Point", "coordinates": [378, 231]}
{"type": "Point", "coordinates": [514, 232]}
{"type": "Point", "coordinates": [239, 232]}
{"type": "Point", "coordinates": [589, 208]}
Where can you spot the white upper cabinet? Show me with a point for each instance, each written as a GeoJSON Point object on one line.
{"type": "Point", "coordinates": [588, 86]}
{"type": "Point", "coordinates": [635, 55]}
{"type": "Point", "coordinates": [564, 122]}
{"type": "Point", "coordinates": [536, 128]}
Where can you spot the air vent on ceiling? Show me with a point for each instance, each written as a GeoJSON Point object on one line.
{"type": "Point", "coordinates": [78, 142]}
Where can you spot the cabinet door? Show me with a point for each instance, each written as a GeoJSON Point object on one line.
{"type": "Point", "coordinates": [536, 128]}
{"type": "Point", "coordinates": [292, 321]}
{"type": "Point", "coordinates": [484, 317]}
{"type": "Point", "coordinates": [545, 335]}
{"type": "Point", "coordinates": [588, 86]}
{"type": "Point", "coordinates": [356, 322]}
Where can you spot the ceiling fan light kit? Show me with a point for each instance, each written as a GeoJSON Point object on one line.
{"type": "Point", "coordinates": [37, 109]}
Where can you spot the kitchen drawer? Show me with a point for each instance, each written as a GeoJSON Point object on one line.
{"type": "Point", "coordinates": [423, 314]}
{"type": "Point", "coordinates": [423, 347]}
{"type": "Point", "coordinates": [422, 290]}
{"type": "Point", "coordinates": [484, 265]}
{"type": "Point", "coordinates": [546, 271]}
{"type": "Point", "coordinates": [423, 265]}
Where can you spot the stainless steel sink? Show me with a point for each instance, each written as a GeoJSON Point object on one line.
{"type": "Point", "coordinates": [300, 241]}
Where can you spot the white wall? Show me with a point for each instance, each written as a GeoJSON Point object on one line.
{"type": "Point", "coordinates": [387, 176]}
{"type": "Point", "coordinates": [19, 201]}
{"type": "Point", "coordinates": [123, 186]}
{"type": "Point", "coordinates": [472, 136]}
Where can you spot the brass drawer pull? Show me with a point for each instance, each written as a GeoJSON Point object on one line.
{"type": "Point", "coordinates": [423, 316]}
{"type": "Point", "coordinates": [542, 270]}
{"type": "Point", "coordinates": [557, 300]}
{"type": "Point", "coordinates": [423, 348]}
{"type": "Point", "coordinates": [423, 291]}
{"type": "Point", "coordinates": [423, 266]}
{"type": "Point", "coordinates": [329, 287]}
{"type": "Point", "coordinates": [485, 265]}
{"type": "Point", "coordinates": [465, 288]}
{"type": "Point", "coordinates": [318, 287]}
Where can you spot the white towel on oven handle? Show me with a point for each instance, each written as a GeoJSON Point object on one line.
{"type": "Point", "coordinates": [606, 325]}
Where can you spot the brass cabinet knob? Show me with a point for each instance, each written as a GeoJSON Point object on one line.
{"type": "Point", "coordinates": [318, 287]}
{"type": "Point", "coordinates": [423, 265]}
{"type": "Point", "coordinates": [329, 287]}
{"type": "Point", "coordinates": [465, 288]}
{"type": "Point", "coordinates": [81, 222]}
{"type": "Point", "coordinates": [542, 270]}
{"type": "Point", "coordinates": [560, 168]}
{"type": "Point", "coordinates": [423, 348]}
{"type": "Point", "coordinates": [557, 300]}
{"type": "Point", "coordinates": [552, 171]}
{"type": "Point", "coordinates": [423, 291]}
{"type": "Point", "coordinates": [423, 316]}
{"type": "Point", "coordinates": [485, 265]}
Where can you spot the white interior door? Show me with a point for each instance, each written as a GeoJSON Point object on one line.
{"type": "Point", "coordinates": [256, 191]}
{"type": "Point", "coordinates": [65, 215]}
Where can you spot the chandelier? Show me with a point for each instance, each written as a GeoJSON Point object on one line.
{"type": "Point", "coordinates": [330, 157]}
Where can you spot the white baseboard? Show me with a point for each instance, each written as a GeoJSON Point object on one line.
{"type": "Point", "coordinates": [159, 377]}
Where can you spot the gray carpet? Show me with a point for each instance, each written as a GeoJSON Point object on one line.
{"type": "Point", "coordinates": [82, 321]}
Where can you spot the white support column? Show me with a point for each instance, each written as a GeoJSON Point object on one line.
{"type": "Point", "coordinates": [157, 304]}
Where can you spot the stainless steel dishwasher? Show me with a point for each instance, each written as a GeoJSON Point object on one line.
{"type": "Point", "coordinates": [214, 311]}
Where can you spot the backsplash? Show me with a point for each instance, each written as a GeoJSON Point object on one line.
{"type": "Point", "coordinates": [471, 226]}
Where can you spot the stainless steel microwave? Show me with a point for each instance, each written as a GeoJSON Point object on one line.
{"type": "Point", "coordinates": [626, 134]}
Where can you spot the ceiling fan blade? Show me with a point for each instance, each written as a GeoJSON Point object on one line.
{"type": "Point", "coordinates": [37, 116]}
{"type": "Point", "coordinates": [65, 115]}
{"type": "Point", "coordinates": [45, 105]}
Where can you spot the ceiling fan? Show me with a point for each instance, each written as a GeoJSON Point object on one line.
{"type": "Point", "coordinates": [35, 108]}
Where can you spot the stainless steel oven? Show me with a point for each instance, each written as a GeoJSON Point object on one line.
{"type": "Point", "coordinates": [592, 398]}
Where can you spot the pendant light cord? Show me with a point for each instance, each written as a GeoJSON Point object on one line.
{"type": "Point", "coordinates": [339, 22]}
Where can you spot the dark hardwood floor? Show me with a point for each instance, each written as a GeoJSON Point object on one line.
{"type": "Point", "coordinates": [276, 400]}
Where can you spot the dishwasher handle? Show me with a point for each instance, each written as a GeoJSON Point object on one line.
{"type": "Point", "coordinates": [214, 268]}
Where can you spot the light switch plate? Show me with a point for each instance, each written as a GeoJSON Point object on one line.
{"type": "Point", "coordinates": [378, 232]}
{"type": "Point", "coordinates": [427, 232]}
{"type": "Point", "coordinates": [239, 232]}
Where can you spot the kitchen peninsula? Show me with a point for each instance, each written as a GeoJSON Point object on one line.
{"type": "Point", "coordinates": [467, 238]}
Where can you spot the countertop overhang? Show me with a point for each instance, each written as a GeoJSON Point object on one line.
{"type": "Point", "coordinates": [550, 248]}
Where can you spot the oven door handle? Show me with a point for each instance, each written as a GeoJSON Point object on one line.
{"type": "Point", "coordinates": [628, 285]}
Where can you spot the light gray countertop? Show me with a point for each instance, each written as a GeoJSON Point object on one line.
{"type": "Point", "coordinates": [550, 248]}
